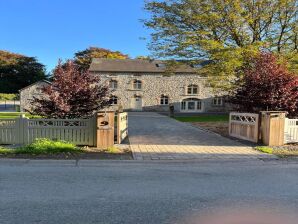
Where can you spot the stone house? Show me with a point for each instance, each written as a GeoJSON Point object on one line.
{"type": "Point", "coordinates": [145, 85]}
{"type": "Point", "coordinates": [28, 92]}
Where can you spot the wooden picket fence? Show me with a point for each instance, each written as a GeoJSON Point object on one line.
{"type": "Point", "coordinates": [244, 126]}
{"type": "Point", "coordinates": [85, 132]}
{"type": "Point", "coordinates": [24, 131]}
{"type": "Point", "coordinates": [291, 130]}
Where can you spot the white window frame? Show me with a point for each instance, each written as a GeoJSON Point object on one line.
{"type": "Point", "coordinates": [113, 84]}
{"type": "Point", "coordinates": [113, 99]}
{"type": "Point", "coordinates": [137, 84]}
{"type": "Point", "coordinates": [197, 105]}
{"type": "Point", "coordinates": [217, 101]}
{"type": "Point", "coordinates": [164, 100]}
{"type": "Point", "coordinates": [191, 89]}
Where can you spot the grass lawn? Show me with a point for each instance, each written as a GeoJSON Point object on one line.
{"type": "Point", "coordinates": [204, 118]}
{"type": "Point", "coordinates": [9, 115]}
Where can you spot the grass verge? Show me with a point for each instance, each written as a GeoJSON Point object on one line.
{"type": "Point", "coordinates": [46, 146]}
{"type": "Point", "coordinates": [204, 118]}
{"type": "Point", "coordinates": [264, 149]}
{"type": "Point", "coordinates": [43, 146]}
{"type": "Point", "coordinates": [283, 153]}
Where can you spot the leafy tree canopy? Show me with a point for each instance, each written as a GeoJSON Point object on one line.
{"type": "Point", "coordinates": [226, 32]}
{"type": "Point", "coordinates": [74, 93]}
{"type": "Point", "coordinates": [18, 71]}
{"type": "Point", "coordinates": [84, 58]}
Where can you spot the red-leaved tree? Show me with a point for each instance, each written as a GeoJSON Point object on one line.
{"type": "Point", "coordinates": [266, 85]}
{"type": "Point", "coordinates": [72, 94]}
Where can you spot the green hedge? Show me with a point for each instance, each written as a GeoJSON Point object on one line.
{"type": "Point", "coordinates": [8, 96]}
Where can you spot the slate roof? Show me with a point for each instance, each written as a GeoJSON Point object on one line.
{"type": "Point", "coordinates": [134, 66]}
{"type": "Point", "coordinates": [41, 81]}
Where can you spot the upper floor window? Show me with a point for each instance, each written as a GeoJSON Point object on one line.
{"type": "Point", "coordinates": [114, 100]}
{"type": "Point", "coordinates": [113, 84]}
{"type": "Point", "coordinates": [137, 84]}
{"type": "Point", "coordinates": [217, 101]}
{"type": "Point", "coordinates": [192, 89]}
{"type": "Point", "coordinates": [164, 100]}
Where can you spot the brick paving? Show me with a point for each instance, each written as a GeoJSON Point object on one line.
{"type": "Point", "coordinates": [157, 137]}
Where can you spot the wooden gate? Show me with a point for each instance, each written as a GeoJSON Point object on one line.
{"type": "Point", "coordinates": [122, 127]}
{"type": "Point", "coordinates": [291, 130]}
{"type": "Point", "coordinates": [244, 126]}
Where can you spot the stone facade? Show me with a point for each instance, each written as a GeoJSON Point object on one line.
{"type": "Point", "coordinates": [155, 86]}
{"type": "Point", "coordinates": [27, 94]}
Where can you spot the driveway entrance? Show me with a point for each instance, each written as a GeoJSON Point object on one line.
{"type": "Point", "coordinates": [155, 137]}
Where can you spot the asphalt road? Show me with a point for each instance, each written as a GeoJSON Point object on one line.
{"type": "Point", "coordinates": [144, 192]}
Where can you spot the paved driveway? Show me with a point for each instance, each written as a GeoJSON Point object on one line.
{"type": "Point", "coordinates": [153, 137]}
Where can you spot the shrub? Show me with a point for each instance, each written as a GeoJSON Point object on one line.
{"type": "Point", "coordinates": [43, 146]}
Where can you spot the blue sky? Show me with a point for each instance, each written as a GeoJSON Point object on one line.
{"type": "Point", "coordinates": [53, 29]}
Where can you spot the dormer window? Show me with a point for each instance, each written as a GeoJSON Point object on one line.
{"type": "Point", "coordinates": [160, 65]}
{"type": "Point", "coordinates": [137, 84]}
{"type": "Point", "coordinates": [113, 84]}
{"type": "Point", "coordinates": [192, 89]}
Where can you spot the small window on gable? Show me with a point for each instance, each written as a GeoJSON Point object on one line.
{"type": "Point", "coordinates": [217, 101]}
{"type": "Point", "coordinates": [164, 100]}
{"type": "Point", "coordinates": [137, 84]}
{"type": "Point", "coordinates": [114, 100]}
{"type": "Point", "coordinates": [160, 65]}
{"type": "Point", "coordinates": [113, 84]}
{"type": "Point", "coordinates": [192, 89]}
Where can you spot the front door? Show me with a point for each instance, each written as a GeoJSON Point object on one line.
{"type": "Point", "coordinates": [137, 103]}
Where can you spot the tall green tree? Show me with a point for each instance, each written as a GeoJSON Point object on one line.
{"type": "Point", "coordinates": [84, 58]}
{"type": "Point", "coordinates": [18, 71]}
{"type": "Point", "coordinates": [224, 31]}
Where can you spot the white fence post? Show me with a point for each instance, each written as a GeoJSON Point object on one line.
{"type": "Point", "coordinates": [291, 130]}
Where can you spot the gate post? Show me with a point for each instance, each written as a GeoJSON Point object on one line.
{"type": "Point", "coordinates": [20, 129]}
{"type": "Point", "coordinates": [105, 129]}
{"type": "Point", "coordinates": [273, 128]}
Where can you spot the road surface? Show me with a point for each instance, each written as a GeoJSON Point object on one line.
{"type": "Point", "coordinates": [83, 192]}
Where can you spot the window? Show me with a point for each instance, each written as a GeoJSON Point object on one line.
{"type": "Point", "coordinates": [183, 105]}
{"type": "Point", "coordinates": [191, 105]}
{"type": "Point", "coordinates": [114, 100]}
{"type": "Point", "coordinates": [113, 84]}
{"type": "Point", "coordinates": [161, 65]}
{"type": "Point", "coordinates": [192, 89]}
{"type": "Point", "coordinates": [137, 84]}
{"type": "Point", "coordinates": [217, 101]}
{"type": "Point", "coordinates": [164, 100]}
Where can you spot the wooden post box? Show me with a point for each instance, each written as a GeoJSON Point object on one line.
{"type": "Point", "coordinates": [105, 129]}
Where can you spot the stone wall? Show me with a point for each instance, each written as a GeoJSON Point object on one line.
{"type": "Point", "coordinates": [155, 85]}
{"type": "Point", "coordinates": [27, 94]}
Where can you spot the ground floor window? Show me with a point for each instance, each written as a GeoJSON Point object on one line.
{"type": "Point", "coordinates": [114, 100]}
{"type": "Point", "coordinates": [191, 105]}
{"type": "Point", "coordinates": [164, 100]}
{"type": "Point", "coordinates": [217, 101]}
